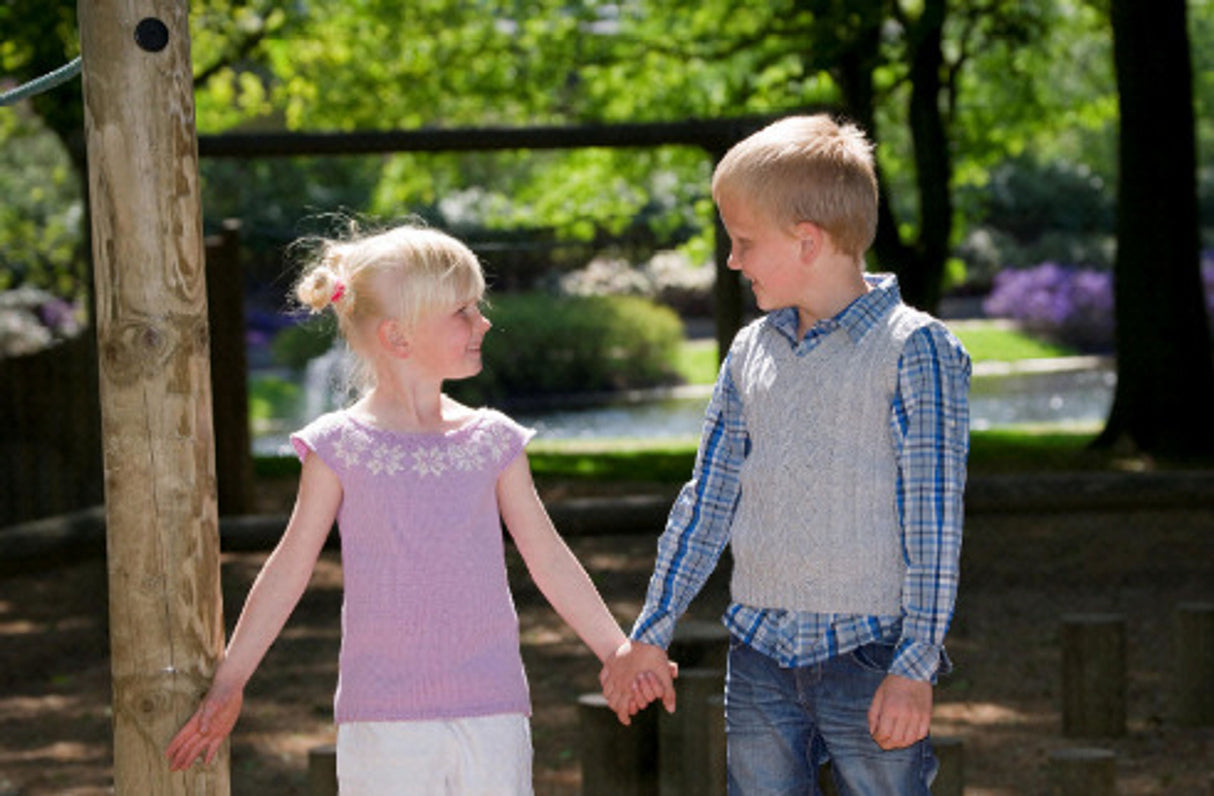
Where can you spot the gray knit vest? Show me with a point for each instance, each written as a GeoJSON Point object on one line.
{"type": "Point", "coordinates": [816, 527]}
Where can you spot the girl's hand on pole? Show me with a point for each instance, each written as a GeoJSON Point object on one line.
{"type": "Point", "coordinates": [206, 729]}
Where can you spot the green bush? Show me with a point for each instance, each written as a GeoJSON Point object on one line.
{"type": "Point", "coordinates": [543, 345]}
{"type": "Point", "coordinates": [273, 397]}
{"type": "Point", "coordinates": [295, 346]}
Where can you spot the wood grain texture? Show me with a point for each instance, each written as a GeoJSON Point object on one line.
{"type": "Point", "coordinates": [166, 618]}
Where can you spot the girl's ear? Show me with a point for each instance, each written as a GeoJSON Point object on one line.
{"type": "Point", "coordinates": [393, 338]}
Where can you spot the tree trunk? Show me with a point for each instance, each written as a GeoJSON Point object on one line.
{"type": "Point", "coordinates": [933, 164]}
{"type": "Point", "coordinates": [166, 618]}
{"type": "Point", "coordinates": [919, 264]}
{"type": "Point", "coordinates": [1165, 377]}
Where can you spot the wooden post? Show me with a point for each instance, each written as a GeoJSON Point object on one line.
{"type": "Point", "coordinates": [617, 760]}
{"type": "Point", "coordinates": [950, 776]}
{"type": "Point", "coordinates": [1194, 647]}
{"type": "Point", "coordinates": [166, 617]}
{"type": "Point", "coordinates": [684, 740]}
{"type": "Point", "coordinates": [700, 644]}
{"type": "Point", "coordinates": [322, 770]}
{"type": "Point", "coordinates": [1082, 772]}
{"type": "Point", "coordinates": [1093, 675]}
{"type": "Point", "coordinates": [718, 755]}
{"type": "Point", "coordinates": [229, 370]}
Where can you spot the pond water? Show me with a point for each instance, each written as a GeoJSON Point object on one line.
{"type": "Point", "coordinates": [1059, 393]}
{"type": "Point", "coordinates": [1074, 397]}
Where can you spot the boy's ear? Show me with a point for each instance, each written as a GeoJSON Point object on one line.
{"type": "Point", "coordinates": [812, 238]}
{"type": "Point", "coordinates": [393, 338]}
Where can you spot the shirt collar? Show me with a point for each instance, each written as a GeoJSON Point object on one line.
{"type": "Point", "coordinates": [856, 318]}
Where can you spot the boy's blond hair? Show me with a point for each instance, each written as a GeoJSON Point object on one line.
{"type": "Point", "coordinates": [807, 168]}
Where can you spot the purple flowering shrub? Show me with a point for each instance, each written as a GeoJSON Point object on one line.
{"type": "Point", "coordinates": [1070, 304]}
{"type": "Point", "coordinates": [32, 319]}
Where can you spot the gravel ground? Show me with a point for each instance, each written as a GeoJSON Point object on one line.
{"type": "Point", "coordinates": [1021, 572]}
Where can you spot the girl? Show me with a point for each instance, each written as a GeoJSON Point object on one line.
{"type": "Point", "coordinates": [431, 693]}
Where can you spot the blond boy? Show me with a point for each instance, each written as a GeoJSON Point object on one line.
{"type": "Point", "coordinates": [833, 463]}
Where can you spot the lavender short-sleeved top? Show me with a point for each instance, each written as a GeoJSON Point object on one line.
{"type": "Point", "coordinates": [429, 629]}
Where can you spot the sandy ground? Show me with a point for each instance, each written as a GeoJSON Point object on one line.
{"type": "Point", "coordinates": [1021, 572]}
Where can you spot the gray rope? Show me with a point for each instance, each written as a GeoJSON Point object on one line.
{"type": "Point", "coordinates": [44, 83]}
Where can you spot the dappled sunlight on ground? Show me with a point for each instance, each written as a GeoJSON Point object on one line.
{"type": "Point", "coordinates": [1020, 572]}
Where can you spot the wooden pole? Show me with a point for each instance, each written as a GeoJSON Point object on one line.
{"type": "Point", "coordinates": [1193, 698]}
{"type": "Point", "coordinates": [229, 371]}
{"type": "Point", "coordinates": [322, 770]}
{"type": "Point", "coordinates": [166, 617]}
{"type": "Point", "coordinates": [617, 760]}
{"type": "Point", "coordinates": [1093, 675]}
{"type": "Point", "coordinates": [950, 776]}
{"type": "Point", "coordinates": [684, 740]}
{"type": "Point", "coordinates": [1083, 772]}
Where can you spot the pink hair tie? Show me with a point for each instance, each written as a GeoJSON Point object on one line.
{"type": "Point", "coordinates": [338, 291]}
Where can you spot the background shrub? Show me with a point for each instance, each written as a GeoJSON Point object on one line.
{"type": "Point", "coordinates": [542, 345]}
{"type": "Point", "coordinates": [1071, 305]}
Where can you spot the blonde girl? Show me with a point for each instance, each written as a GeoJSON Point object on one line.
{"type": "Point", "coordinates": [431, 694]}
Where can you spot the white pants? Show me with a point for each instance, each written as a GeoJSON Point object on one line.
{"type": "Point", "coordinates": [484, 755]}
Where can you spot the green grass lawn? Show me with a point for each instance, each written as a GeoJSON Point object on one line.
{"type": "Point", "coordinates": [670, 462]}
{"type": "Point", "coordinates": [986, 341]}
{"type": "Point", "coordinates": [989, 341]}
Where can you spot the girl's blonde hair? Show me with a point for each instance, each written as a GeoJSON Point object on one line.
{"type": "Point", "coordinates": [403, 273]}
{"type": "Point", "coordinates": [807, 168]}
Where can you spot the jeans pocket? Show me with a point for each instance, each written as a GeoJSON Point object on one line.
{"type": "Point", "coordinates": [874, 657]}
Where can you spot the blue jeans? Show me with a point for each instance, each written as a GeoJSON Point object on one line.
{"type": "Point", "coordinates": [782, 724]}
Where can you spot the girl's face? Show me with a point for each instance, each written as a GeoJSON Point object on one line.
{"type": "Point", "coordinates": [447, 343]}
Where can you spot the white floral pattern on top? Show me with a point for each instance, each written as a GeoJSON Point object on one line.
{"type": "Point", "coordinates": [351, 446]}
{"type": "Point", "coordinates": [386, 460]}
{"type": "Point", "coordinates": [429, 461]}
{"type": "Point", "coordinates": [356, 448]}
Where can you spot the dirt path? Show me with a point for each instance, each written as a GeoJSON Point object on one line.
{"type": "Point", "coordinates": [1021, 572]}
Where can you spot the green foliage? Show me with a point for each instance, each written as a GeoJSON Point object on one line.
{"type": "Point", "coordinates": [295, 346]}
{"type": "Point", "coordinates": [384, 64]}
{"type": "Point", "coordinates": [542, 346]}
{"type": "Point", "coordinates": [1031, 211]}
{"type": "Point", "coordinates": [272, 397]}
{"type": "Point", "coordinates": [41, 236]}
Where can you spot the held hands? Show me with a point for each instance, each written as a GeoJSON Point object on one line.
{"type": "Point", "coordinates": [635, 675]}
{"type": "Point", "coordinates": [206, 729]}
{"type": "Point", "coordinates": [901, 712]}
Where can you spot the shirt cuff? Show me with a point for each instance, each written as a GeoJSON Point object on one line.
{"type": "Point", "coordinates": [916, 660]}
{"type": "Point", "coordinates": [655, 629]}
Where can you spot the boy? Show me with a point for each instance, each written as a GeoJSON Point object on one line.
{"type": "Point", "coordinates": [833, 462]}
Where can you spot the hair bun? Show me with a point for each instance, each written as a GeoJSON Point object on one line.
{"type": "Point", "coordinates": [320, 288]}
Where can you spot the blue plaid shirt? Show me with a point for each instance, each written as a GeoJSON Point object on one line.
{"type": "Point", "coordinates": [929, 418]}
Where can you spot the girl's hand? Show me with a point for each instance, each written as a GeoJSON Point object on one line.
{"type": "Point", "coordinates": [206, 729]}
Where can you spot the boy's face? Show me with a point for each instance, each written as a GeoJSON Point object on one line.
{"type": "Point", "coordinates": [768, 254]}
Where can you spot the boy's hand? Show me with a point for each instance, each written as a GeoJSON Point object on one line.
{"type": "Point", "coordinates": [206, 729]}
{"type": "Point", "coordinates": [901, 713]}
{"type": "Point", "coordinates": [635, 675]}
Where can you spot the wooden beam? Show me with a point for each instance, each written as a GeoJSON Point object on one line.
{"type": "Point", "coordinates": [166, 617]}
{"type": "Point", "coordinates": [714, 135]}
